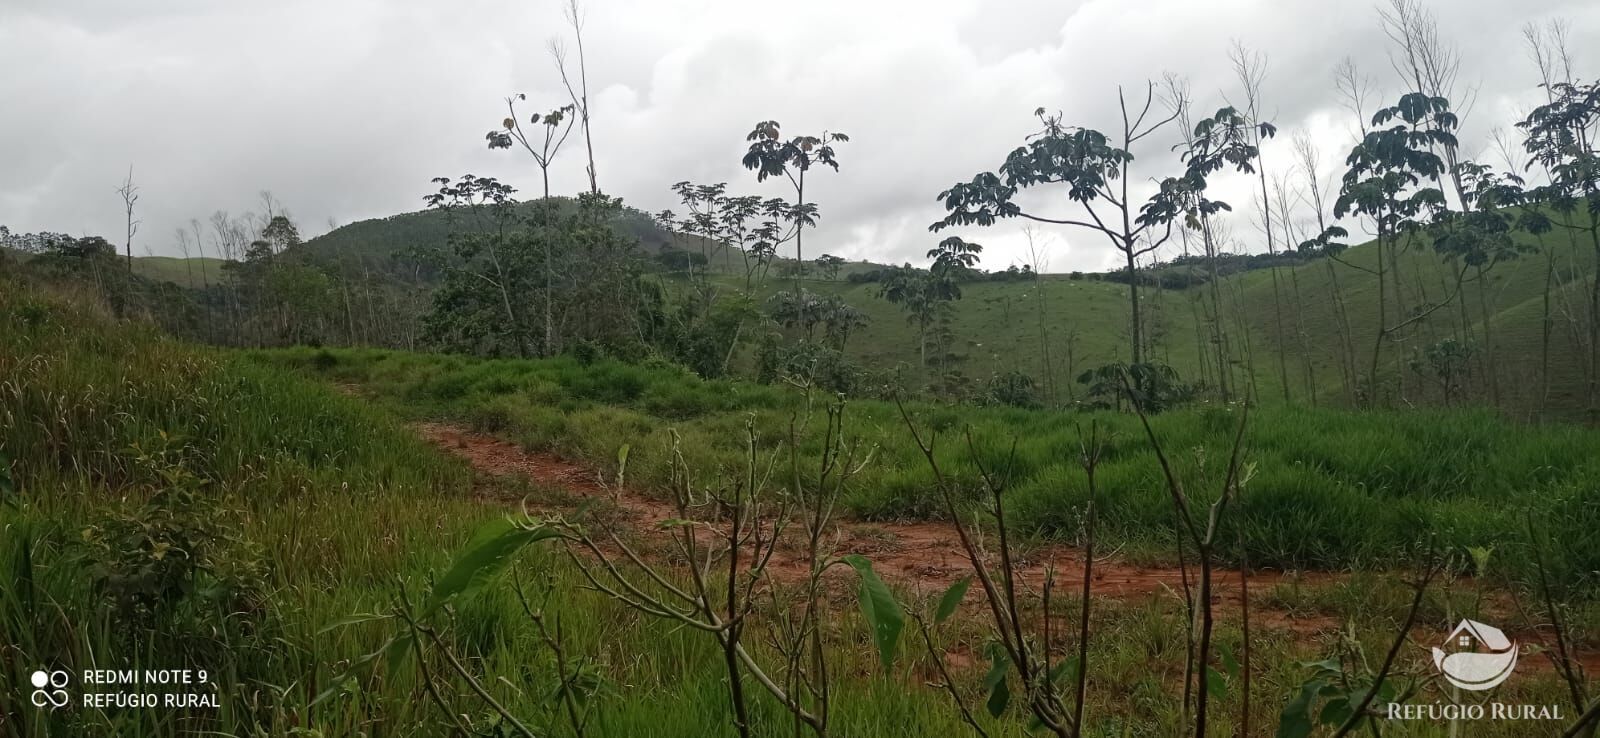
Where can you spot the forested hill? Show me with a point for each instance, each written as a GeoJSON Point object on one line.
{"type": "Point", "coordinates": [382, 243]}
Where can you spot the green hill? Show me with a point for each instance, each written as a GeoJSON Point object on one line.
{"type": "Point", "coordinates": [996, 327]}
{"type": "Point", "coordinates": [380, 243]}
{"type": "Point", "coordinates": [1285, 334]}
{"type": "Point", "coordinates": [192, 272]}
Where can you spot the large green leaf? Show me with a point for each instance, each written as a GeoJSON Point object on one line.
{"type": "Point", "coordinates": [878, 604]}
{"type": "Point", "coordinates": [1064, 673]}
{"type": "Point", "coordinates": [995, 681]}
{"type": "Point", "coordinates": [952, 599]}
{"type": "Point", "coordinates": [1216, 684]}
{"type": "Point", "coordinates": [485, 556]}
{"type": "Point", "coordinates": [1295, 722]}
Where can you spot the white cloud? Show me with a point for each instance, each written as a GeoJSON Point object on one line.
{"type": "Point", "coordinates": [344, 110]}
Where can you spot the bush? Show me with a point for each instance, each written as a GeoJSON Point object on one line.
{"type": "Point", "coordinates": [1152, 388]}
{"type": "Point", "coordinates": [1012, 388]}
{"type": "Point", "coordinates": [171, 561]}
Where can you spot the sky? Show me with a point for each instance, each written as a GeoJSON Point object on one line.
{"type": "Point", "coordinates": [345, 109]}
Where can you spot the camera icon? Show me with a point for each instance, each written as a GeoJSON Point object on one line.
{"type": "Point", "coordinates": [49, 689]}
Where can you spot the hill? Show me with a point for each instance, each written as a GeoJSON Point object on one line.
{"type": "Point", "coordinates": [379, 243]}
{"type": "Point", "coordinates": [1291, 328]}
{"type": "Point", "coordinates": [193, 272]}
{"type": "Point", "coordinates": [1299, 312]}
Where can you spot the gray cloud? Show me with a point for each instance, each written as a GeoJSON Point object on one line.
{"type": "Point", "coordinates": [344, 110]}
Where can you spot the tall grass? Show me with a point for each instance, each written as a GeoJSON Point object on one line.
{"type": "Point", "coordinates": [337, 507]}
{"type": "Point", "coordinates": [1331, 489]}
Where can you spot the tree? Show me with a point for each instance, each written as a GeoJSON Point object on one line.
{"type": "Point", "coordinates": [579, 93]}
{"type": "Point", "coordinates": [926, 295]}
{"type": "Point", "coordinates": [828, 265]}
{"type": "Point", "coordinates": [715, 219]}
{"type": "Point", "coordinates": [1092, 170]}
{"type": "Point", "coordinates": [1251, 70]}
{"type": "Point", "coordinates": [130, 195]}
{"type": "Point", "coordinates": [487, 256]}
{"type": "Point", "coordinates": [771, 156]}
{"type": "Point", "coordinates": [557, 125]}
{"type": "Point", "coordinates": [1383, 184]}
{"type": "Point", "coordinates": [1480, 237]}
{"type": "Point", "coordinates": [1561, 136]}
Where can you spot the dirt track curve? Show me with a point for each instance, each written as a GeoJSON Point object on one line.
{"type": "Point", "coordinates": [927, 557]}
{"type": "Point", "coordinates": [922, 556]}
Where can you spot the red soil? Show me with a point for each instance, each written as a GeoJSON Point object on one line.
{"type": "Point", "coordinates": [927, 557]}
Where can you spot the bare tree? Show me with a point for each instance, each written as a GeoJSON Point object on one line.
{"type": "Point", "coordinates": [1430, 65]}
{"type": "Point", "coordinates": [1251, 69]}
{"type": "Point", "coordinates": [1355, 93]}
{"type": "Point", "coordinates": [580, 92]}
{"type": "Point", "coordinates": [130, 195]}
{"type": "Point", "coordinates": [1039, 260]}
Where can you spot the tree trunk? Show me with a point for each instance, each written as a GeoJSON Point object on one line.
{"type": "Point", "coordinates": [1594, 330]}
{"type": "Point", "coordinates": [1133, 301]}
{"type": "Point", "coordinates": [1490, 366]}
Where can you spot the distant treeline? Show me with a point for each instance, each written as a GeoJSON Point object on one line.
{"type": "Point", "coordinates": [1190, 270]}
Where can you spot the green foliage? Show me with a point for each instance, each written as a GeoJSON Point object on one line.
{"type": "Point", "coordinates": [485, 557]}
{"type": "Point", "coordinates": [1334, 489]}
{"type": "Point", "coordinates": [951, 599]}
{"type": "Point", "coordinates": [1332, 685]}
{"type": "Point", "coordinates": [880, 608]}
{"type": "Point", "coordinates": [500, 276]}
{"type": "Point", "coordinates": [1153, 388]}
{"type": "Point", "coordinates": [1013, 388]}
{"type": "Point", "coordinates": [1444, 362]}
{"type": "Point", "coordinates": [173, 553]}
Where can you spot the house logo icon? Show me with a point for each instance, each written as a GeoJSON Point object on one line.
{"type": "Point", "coordinates": [1479, 656]}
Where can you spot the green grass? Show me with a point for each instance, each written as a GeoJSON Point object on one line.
{"type": "Point", "coordinates": [1330, 489]}
{"type": "Point", "coordinates": [192, 272]}
{"type": "Point", "coordinates": [338, 507]}
{"type": "Point", "coordinates": [996, 327]}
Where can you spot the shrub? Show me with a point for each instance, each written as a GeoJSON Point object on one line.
{"type": "Point", "coordinates": [1012, 388]}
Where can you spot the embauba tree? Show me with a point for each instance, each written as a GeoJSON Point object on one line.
{"type": "Point", "coordinates": [770, 155]}
{"type": "Point", "coordinates": [1562, 137]}
{"type": "Point", "coordinates": [1093, 171]}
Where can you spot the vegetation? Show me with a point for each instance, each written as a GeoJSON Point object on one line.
{"type": "Point", "coordinates": [1340, 489]}
{"type": "Point", "coordinates": [295, 508]}
{"type": "Point", "coordinates": [223, 462]}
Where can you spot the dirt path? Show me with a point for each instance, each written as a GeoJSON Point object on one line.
{"type": "Point", "coordinates": [920, 556]}
{"type": "Point", "coordinates": [927, 557]}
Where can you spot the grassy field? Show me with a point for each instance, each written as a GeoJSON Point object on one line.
{"type": "Point", "coordinates": [193, 272]}
{"type": "Point", "coordinates": [296, 507]}
{"type": "Point", "coordinates": [1331, 489]}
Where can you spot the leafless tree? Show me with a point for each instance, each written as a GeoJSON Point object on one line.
{"type": "Point", "coordinates": [1355, 91]}
{"type": "Point", "coordinates": [1431, 65]}
{"type": "Point", "coordinates": [1250, 67]}
{"type": "Point", "coordinates": [579, 92]}
{"type": "Point", "coordinates": [130, 195]}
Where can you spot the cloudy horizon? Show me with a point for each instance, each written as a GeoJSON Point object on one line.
{"type": "Point", "coordinates": [344, 111]}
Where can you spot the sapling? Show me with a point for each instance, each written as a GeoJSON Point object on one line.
{"type": "Point", "coordinates": [1045, 691]}
{"type": "Point", "coordinates": [1201, 533]}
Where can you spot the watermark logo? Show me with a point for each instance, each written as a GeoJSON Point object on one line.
{"type": "Point", "coordinates": [49, 689]}
{"type": "Point", "coordinates": [1479, 658]}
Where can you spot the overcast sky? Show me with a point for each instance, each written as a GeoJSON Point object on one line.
{"type": "Point", "coordinates": [344, 109]}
